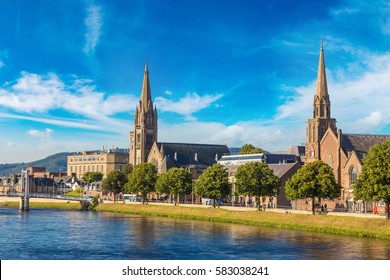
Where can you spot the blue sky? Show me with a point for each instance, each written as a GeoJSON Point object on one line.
{"type": "Point", "coordinates": [223, 72]}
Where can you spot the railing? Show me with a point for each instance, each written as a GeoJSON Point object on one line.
{"type": "Point", "coordinates": [43, 195]}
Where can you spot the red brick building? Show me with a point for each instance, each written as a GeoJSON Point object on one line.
{"type": "Point", "coordinates": [343, 152]}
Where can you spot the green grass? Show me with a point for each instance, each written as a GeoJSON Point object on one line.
{"type": "Point", "coordinates": [45, 205]}
{"type": "Point", "coordinates": [353, 226]}
{"type": "Point", "coordinates": [78, 192]}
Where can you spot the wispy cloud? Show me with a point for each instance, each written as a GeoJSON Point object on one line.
{"type": "Point", "coordinates": [187, 105]}
{"type": "Point", "coordinates": [93, 24]}
{"type": "Point", "coordinates": [33, 97]}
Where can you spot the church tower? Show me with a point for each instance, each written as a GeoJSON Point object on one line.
{"type": "Point", "coordinates": [145, 125]}
{"type": "Point", "coordinates": [321, 121]}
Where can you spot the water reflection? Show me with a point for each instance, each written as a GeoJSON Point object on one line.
{"type": "Point", "coordinates": [54, 234]}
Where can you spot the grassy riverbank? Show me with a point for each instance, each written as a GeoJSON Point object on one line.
{"type": "Point", "coordinates": [44, 205]}
{"type": "Point", "coordinates": [375, 228]}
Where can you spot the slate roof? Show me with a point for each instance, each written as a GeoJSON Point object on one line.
{"type": "Point", "coordinates": [361, 143]}
{"type": "Point", "coordinates": [185, 153]}
{"type": "Point", "coordinates": [280, 158]}
{"type": "Point", "coordinates": [43, 181]}
{"type": "Point", "coordinates": [278, 169]}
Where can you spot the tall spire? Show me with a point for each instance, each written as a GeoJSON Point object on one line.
{"type": "Point", "coordinates": [146, 95]}
{"type": "Point", "coordinates": [322, 87]}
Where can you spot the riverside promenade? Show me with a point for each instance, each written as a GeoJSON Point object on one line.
{"type": "Point", "coordinates": [276, 210]}
{"type": "Point", "coordinates": [4, 199]}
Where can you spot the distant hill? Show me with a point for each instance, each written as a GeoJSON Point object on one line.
{"type": "Point", "coordinates": [52, 163]}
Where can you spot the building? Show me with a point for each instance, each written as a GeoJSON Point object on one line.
{"type": "Point", "coordinates": [269, 158]}
{"type": "Point", "coordinates": [342, 151]}
{"type": "Point", "coordinates": [103, 161]}
{"type": "Point", "coordinates": [145, 148]}
{"type": "Point", "coordinates": [282, 170]}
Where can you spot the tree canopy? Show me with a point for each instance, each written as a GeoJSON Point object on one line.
{"type": "Point", "coordinates": [114, 182]}
{"type": "Point", "coordinates": [250, 149]}
{"type": "Point", "coordinates": [256, 179]}
{"type": "Point", "coordinates": [313, 180]}
{"type": "Point", "coordinates": [374, 182]}
{"type": "Point", "coordinates": [127, 169]}
{"type": "Point", "coordinates": [90, 177]}
{"type": "Point", "coordinates": [142, 179]}
{"type": "Point", "coordinates": [177, 181]}
{"type": "Point", "coordinates": [213, 183]}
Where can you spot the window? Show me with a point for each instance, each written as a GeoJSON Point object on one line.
{"type": "Point", "coordinates": [329, 160]}
{"type": "Point", "coordinates": [353, 175]}
{"type": "Point", "coordinates": [311, 152]}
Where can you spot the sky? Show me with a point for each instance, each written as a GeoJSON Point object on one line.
{"type": "Point", "coordinates": [221, 72]}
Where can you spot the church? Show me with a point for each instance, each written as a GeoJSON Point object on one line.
{"type": "Point", "coordinates": [144, 146]}
{"type": "Point", "coordinates": [342, 151]}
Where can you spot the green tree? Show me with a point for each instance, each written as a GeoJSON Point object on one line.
{"type": "Point", "coordinates": [114, 182]}
{"type": "Point", "coordinates": [177, 181]}
{"type": "Point", "coordinates": [313, 180]}
{"type": "Point", "coordinates": [250, 149]}
{"type": "Point", "coordinates": [90, 177]}
{"type": "Point", "coordinates": [374, 182]}
{"type": "Point", "coordinates": [213, 183]}
{"type": "Point", "coordinates": [256, 179]}
{"type": "Point", "coordinates": [127, 169]}
{"type": "Point", "coordinates": [94, 203]}
{"type": "Point", "coordinates": [142, 180]}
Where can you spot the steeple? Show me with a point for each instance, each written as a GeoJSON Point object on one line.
{"type": "Point", "coordinates": [145, 124]}
{"type": "Point", "coordinates": [321, 98]}
{"type": "Point", "coordinates": [146, 98]}
{"type": "Point", "coordinates": [321, 121]}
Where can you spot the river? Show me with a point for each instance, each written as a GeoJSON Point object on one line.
{"type": "Point", "coordinates": [78, 235]}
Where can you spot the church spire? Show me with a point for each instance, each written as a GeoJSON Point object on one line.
{"type": "Point", "coordinates": [322, 87]}
{"type": "Point", "coordinates": [146, 95]}
{"type": "Point", "coordinates": [321, 97]}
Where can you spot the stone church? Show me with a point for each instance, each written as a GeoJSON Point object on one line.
{"type": "Point", "coordinates": [145, 148]}
{"type": "Point", "coordinates": [343, 152]}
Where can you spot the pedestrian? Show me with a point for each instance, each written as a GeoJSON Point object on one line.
{"type": "Point", "coordinates": [326, 207]}
{"type": "Point", "coordinates": [375, 210]}
{"type": "Point", "coordinates": [322, 209]}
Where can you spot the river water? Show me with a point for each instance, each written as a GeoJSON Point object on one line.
{"type": "Point", "coordinates": [74, 235]}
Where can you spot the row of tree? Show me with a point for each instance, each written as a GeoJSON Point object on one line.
{"type": "Point", "coordinates": [253, 179]}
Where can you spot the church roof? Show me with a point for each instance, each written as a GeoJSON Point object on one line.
{"type": "Point", "coordinates": [361, 143]}
{"type": "Point", "coordinates": [182, 154]}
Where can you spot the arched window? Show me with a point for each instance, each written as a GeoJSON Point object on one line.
{"type": "Point", "coordinates": [353, 174]}
{"type": "Point", "coordinates": [329, 160]}
{"type": "Point", "coordinates": [311, 152]}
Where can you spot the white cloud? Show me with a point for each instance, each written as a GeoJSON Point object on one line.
{"type": "Point", "coordinates": [41, 94]}
{"type": "Point", "coordinates": [168, 92]}
{"type": "Point", "coordinates": [270, 136]}
{"type": "Point", "coordinates": [93, 24]}
{"type": "Point", "coordinates": [40, 134]}
{"type": "Point", "coordinates": [187, 105]}
{"type": "Point", "coordinates": [2, 64]}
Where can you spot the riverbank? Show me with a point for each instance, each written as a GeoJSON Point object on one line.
{"type": "Point", "coordinates": [344, 225]}
{"type": "Point", "coordinates": [41, 203]}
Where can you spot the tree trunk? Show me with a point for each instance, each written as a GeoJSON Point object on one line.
{"type": "Point", "coordinates": [175, 198]}
{"type": "Point", "coordinates": [214, 200]}
{"type": "Point", "coordinates": [312, 205]}
{"type": "Point", "coordinates": [387, 210]}
{"type": "Point", "coordinates": [258, 203]}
